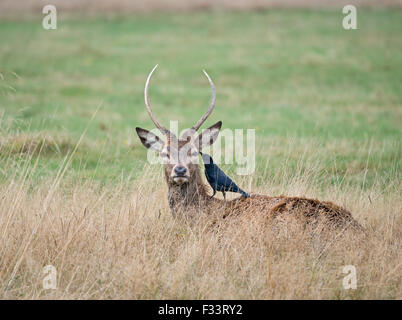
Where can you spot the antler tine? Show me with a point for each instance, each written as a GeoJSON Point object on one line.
{"type": "Point", "coordinates": [211, 106]}
{"type": "Point", "coordinates": [147, 104]}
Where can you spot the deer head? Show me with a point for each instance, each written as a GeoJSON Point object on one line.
{"type": "Point", "coordinates": [179, 155]}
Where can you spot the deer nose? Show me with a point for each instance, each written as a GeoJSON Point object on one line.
{"type": "Point", "coordinates": [180, 170]}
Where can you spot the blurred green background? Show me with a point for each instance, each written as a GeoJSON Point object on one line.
{"type": "Point", "coordinates": [303, 82]}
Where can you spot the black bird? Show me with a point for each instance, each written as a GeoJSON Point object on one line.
{"type": "Point", "coordinates": [218, 180]}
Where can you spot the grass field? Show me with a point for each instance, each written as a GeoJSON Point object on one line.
{"type": "Point", "coordinates": [326, 106]}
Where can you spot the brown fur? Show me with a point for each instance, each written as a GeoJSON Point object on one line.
{"type": "Point", "coordinates": [191, 200]}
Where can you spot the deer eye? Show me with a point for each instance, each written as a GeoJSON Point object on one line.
{"type": "Point", "coordinates": [192, 153]}
{"type": "Point", "coordinates": [164, 155]}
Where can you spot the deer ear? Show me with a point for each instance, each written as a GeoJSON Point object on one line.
{"type": "Point", "coordinates": [208, 136]}
{"type": "Point", "coordinates": [150, 140]}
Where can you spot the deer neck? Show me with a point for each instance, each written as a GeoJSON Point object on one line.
{"type": "Point", "coordinates": [188, 197]}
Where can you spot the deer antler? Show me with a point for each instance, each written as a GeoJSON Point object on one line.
{"type": "Point", "coordinates": [198, 124]}
{"type": "Point", "coordinates": [148, 105]}
{"type": "Point", "coordinates": [211, 106]}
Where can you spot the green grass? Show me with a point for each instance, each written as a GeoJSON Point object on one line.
{"type": "Point", "coordinates": [295, 76]}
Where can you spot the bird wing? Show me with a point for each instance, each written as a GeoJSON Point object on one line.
{"type": "Point", "coordinates": [224, 180]}
{"type": "Point", "coordinates": [230, 185]}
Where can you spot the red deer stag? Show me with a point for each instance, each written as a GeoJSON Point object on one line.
{"type": "Point", "coordinates": [188, 194]}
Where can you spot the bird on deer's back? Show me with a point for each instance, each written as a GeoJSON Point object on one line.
{"type": "Point", "coordinates": [217, 179]}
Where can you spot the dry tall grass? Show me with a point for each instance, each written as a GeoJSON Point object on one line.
{"type": "Point", "coordinates": [120, 242]}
